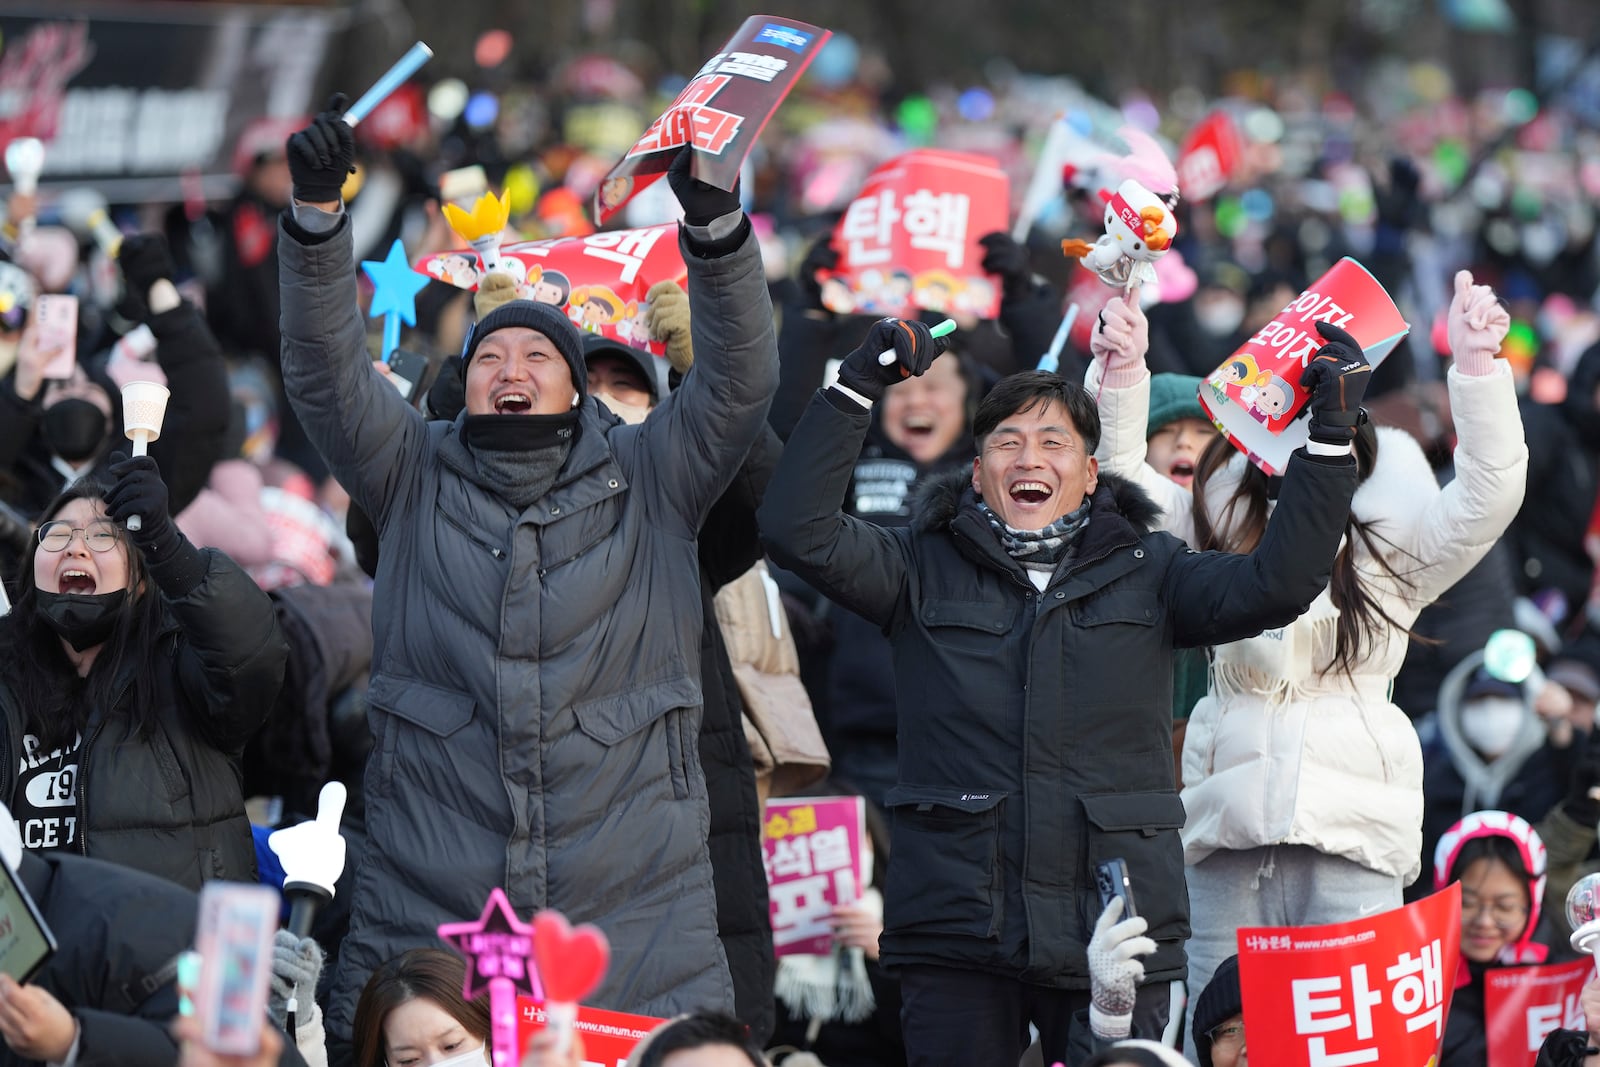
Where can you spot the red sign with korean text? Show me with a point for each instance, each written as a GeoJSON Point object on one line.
{"type": "Point", "coordinates": [812, 849]}
{"type": "Point", "coordinates": [1375, 990]}
{"type": "Point", "coordinates": [1521, 1005]}
{"type": "Point", "coordinates": [600, 280]}
{"type": "Point", "coordinates": [1209, 157]}
{"type": "Point", "coordinates": [1256, 398]}
{"type": "Point", "coordinates": [721, 112]}
{"type": "Point", "coordinates": [910, 238]}
{"type": "Point", "coordinates": [608, 1036]}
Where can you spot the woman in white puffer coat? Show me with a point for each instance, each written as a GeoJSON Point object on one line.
{"type": "Point", "coordinates": [1302, 780]}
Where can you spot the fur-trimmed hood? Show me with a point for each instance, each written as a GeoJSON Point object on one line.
{"type": "Point", "coordinates": [939, 498]}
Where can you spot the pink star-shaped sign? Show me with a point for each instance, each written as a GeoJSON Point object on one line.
{"type": "Point", "coordinates": [497, 945]}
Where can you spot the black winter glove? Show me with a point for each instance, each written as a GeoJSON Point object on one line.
{"type": "Point", "coordinates": [821, 256]}
{"type": "Point", "coordinates": [1582, 807]}
{"type": "Point", "coordinates": [145, 260]}
{"type": "Point", "coordinates": [702, 204]}
{"type": "Point", "coordinates": [914, 348]}
{"type": "Point", "coordinates": [1337, 378]}
{"type": "Point", "coordinates": [174, 563]}
{"type": "Point", "coordinates": [1008, 261]}
{"type": "Point", "coordinates": [322, 155]}
{"type": "Point", "coordinates": [448, 393]}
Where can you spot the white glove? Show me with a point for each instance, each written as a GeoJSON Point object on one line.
{"type": "Point", "coordinates": [1115, 970]}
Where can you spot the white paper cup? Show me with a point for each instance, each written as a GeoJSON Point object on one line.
{"type": "Point", "coordinates": [144, 406]}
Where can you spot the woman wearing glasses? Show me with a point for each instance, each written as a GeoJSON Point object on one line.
{"type": "Point", "coordinates": [132, 670]}
{"type": "Point", "coordinates": [1500, 862]}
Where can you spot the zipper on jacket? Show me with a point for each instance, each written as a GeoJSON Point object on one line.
{"type": "Point", "coordinates": [83, 791]}
{"type": "Point", "coordinates": [496, 552]}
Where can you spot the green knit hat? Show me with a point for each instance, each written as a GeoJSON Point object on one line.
{"type": "Point", "coordinates": [1173, 397]}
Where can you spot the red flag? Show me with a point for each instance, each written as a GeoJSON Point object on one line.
{"type": "Point", "coordinates": [1209, 157]}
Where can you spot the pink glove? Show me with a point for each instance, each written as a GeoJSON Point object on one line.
{"type": "Point", "coordinates": [1477, 325]}
{"type": "Point", "coordinates": [1120, 340]}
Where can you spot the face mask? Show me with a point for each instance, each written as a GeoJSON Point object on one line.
{"type": "Point", "coordinates": [475, 1058]}
{"type": "Point", "coordinates": [83, 620]}
{"type": "Point", "coordinates": [74, 429]}
{"type": "Point", "coordinates": [1491, 724]}
{"type": "Point", "coordinates": [1219, 318]}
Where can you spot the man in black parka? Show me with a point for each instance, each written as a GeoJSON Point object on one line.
{"type": "Point", "coordinates": [1032, 611]}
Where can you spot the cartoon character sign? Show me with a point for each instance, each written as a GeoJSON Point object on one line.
{"type": "Point", "coordinates": [596, 306]}
{"type": "Point", "coordinates": [1267, 397]}
{"type": "Point", "coordinates": [1139, 230]}
{"type": "Point", "coordinates": [548, 286]}
{"type": "Point", "coordinates": [936, 290]}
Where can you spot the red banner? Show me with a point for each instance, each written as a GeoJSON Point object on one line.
{"type": "Point", "coordinates": [721, 112]}
{"type": "Point", "coordinates": [1375, 990]}
{"type": "Point", "coordinates": [1209, 157]}
{"type": "Point", "coordinates": [1523, 1004]}
{"type": "Point", "coordinates": [813, 853]}
{"type": "Point", "coordinates": [1255, 397]}
{"type": "Point", "coordinates": [910, 238]}
{"type": "Point", "coordinates": [608, 1036]}
{"type": "Point", "coordinates": [600, 280]}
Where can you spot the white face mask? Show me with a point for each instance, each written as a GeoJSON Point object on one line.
{"type": "Point", "coordinates": [1491, 724]}
{"type": "Point", "coordinates": [471, 1058]}
{"type": "Point", "coordinates": [1220, 316]}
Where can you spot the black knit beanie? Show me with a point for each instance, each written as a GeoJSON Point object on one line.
{"type": "Point", "coordinates": [1220, 1001]}
{"type": "Point", "coordinates": [541, 318]}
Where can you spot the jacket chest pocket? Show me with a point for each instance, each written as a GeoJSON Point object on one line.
{"type": "Point", "coordinates": [1142, 829]}
{"type": "Point", "coordinates": [628, 719]}
{"type": "Point", "coordinates": [1118, 607]}
{"type": "Point", "coordinates": [978, 627]}
{"type": "Point", "coordinates": [946, 877]}
{"type": "Point", "coordinates": [437, 713]}
{"type": "Point", "coordinates": [563, 537]}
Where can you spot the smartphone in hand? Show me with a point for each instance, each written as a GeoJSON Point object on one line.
{"type": "Point", "coordinates": [55, 331]}
{"type": "Point", "coordinates": [1111, 878]}
{"type": "Point", "coordinates": [234, 939]}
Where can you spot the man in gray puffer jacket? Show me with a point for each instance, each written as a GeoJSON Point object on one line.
{"type": "Point", "coordinates": [535, 695]}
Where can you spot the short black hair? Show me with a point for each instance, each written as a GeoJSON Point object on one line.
{"type": "Point", "coordinates": [557, 279]}
{"type": "Point", "coordinates": [697, 1031]}
{"type": "Point", "coordinates": [1019, 393]}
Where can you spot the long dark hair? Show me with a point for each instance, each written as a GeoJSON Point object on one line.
{"type": "Point", "coordinates": [54, 700]}
{"type": "Point", "coordinates": [432, 973]}
{"type": "Point", "coordinates": [1244, 519]}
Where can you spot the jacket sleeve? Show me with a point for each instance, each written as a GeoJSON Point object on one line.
{"type": "Point", "coordinates": [730, 542]}
{"type": "Point", "coordinates": [373, 441]}
{"type": "Point", "coordinates": [19, 421]}
{"type": "Point", "coordinates": [805, 343]}
{"type": "Point", "coordinates": [232, 657]}
{"type": "Point", "coordinates": [106, 1039]}
{"type": "Point", "coordinates": [1563, 1048]}
{"type": "Point", "coordinates": [1031, 320]}
{"type": "Point", "coordinates": [1443, 540]}
{"type": "Point", "coordinates": [1217, 597]}
{"type": "Point", "coordinates": [1124, 429]}
{"type": "Point", "coordinates": [692, 446]}
{"type": "Point", "coordinates": [859, 566]}
{"type": "Point", "coordinates": [197, 413]}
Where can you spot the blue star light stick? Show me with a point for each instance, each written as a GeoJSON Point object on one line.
{"type": "Point", "coordinates": [395, 289]}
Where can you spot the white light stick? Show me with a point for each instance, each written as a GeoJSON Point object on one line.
{"type": "Point", "coordinates": [144, 407]}
{"type": "Point", "coordinates": [84, 212]}
{"type": "Point", "coordinates": [24, 161]}
{"type": "Point", "coordinates": [1051, 360]}
{"type": "Point", "coordinates": [944, 329]}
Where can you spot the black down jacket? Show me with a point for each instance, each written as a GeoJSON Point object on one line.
{"type": "Point", "coordinates": [1035, 727]}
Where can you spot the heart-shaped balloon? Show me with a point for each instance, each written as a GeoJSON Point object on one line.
{"type": "Point", "coordinates": [572, 961]}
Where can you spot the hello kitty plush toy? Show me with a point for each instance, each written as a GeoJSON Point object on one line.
{"type": "Point", "coordinates": [1139, 230]}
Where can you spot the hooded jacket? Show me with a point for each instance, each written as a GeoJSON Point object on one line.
{"type": "Point", "coordinates": [1034, 727]}
{"type": "Point", "coordinates": [535, 695]}
{"type": "Point", "coordinates": [171, 804]}
{"type": "Point", "coordinates": [1286, 748]}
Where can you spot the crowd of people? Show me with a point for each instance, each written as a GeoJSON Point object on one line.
{"type": "Point", "coordinates": [565, 617]}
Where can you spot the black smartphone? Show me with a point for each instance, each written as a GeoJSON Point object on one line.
{"type": "Point", "coordinates": [410, 373]}
{"type": "Point", "coordinates": [26, 943]}
{"type": "Point", "coordinates": [1111, 878]}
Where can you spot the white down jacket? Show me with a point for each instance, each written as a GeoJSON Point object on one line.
{"type": "Point", "coordinates": [1285, 749]}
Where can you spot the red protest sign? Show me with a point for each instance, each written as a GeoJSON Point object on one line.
{"type": "Point", "coordinates": [608, 1036]}
{"type": "Point", "coordinates": [1209, 157]}
{"type": "Point", "coordinates": [1521, 1005]}
{"type": "Point", "coordinates": [721, 112]}
{"type": "Point", "coordinates": [910, 237]}
{"type": "Point", "coordinates": [813, 851]}
{"type": "Point", "coordinates": [1255, 397]}
{"type": "Point", "coordinates": [600, 280]}
{"type": "Point", "coordinates": [1375, 990]}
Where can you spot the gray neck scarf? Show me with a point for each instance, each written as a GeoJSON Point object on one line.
{"type": "Point", "coordinates": [1040, 550]}
{"type": "Point", "coordinates": [520, 456]}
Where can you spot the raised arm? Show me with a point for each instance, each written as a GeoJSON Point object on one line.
{"type": "Point", "coordinates": [372, 440]}
{"type": "Point", "coordinates": [696, 442]}
{"type": "Point", "coordinates": [856, 564]}
{"type": "Point", "coordinates": [1119, 381]}
{"type": "Point", "coordinates": [1459, 526]}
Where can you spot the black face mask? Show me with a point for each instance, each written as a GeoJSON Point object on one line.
{"type": "Point", "coordinates": [83, 620]}
{"type": "Point", "coordinates": [74, 429]}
